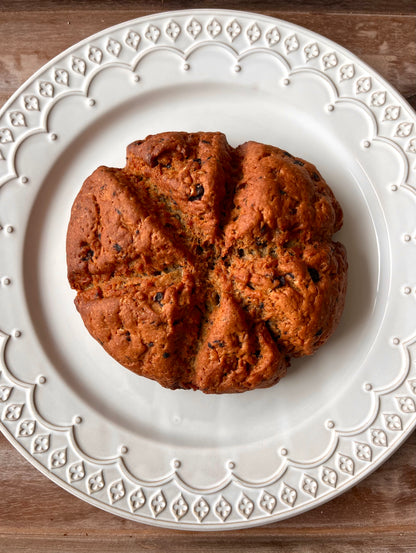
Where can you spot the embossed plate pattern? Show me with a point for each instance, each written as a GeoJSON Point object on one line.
{"type": "Point", "coordinates": [182, 459]}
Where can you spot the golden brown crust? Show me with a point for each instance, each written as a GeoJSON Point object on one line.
{"type": "Point", "coordinates": [207, 267]}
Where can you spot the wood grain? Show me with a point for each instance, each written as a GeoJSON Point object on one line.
{"type": "Point", "coordinates": [376, 516]}
{"type": "Point", "coordinates": [321, 6]}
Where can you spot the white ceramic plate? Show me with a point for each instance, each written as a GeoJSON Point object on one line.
{"type": "Point", "coordinates": [179, 458]}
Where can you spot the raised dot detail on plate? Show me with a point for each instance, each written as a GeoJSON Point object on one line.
{"type": "Point", "coordinates": [136, 78]}
{"type": "Point", "coordinates": [176, 419]}
{"type": "Point", "coordinates": [6, 281]}
{"type": "Point", "coordinates": [284, 451]}
{"type": "Point", "coordinates": [186, 67]}
{"type": "Point", "coordinates": [123, 449]}
{"type": "Point", "coordinates": [231, 465]}
{"type": "Point", "coordinates": [53, 136]}
{"type": "Point", "coordinates": [24, 180]}
{"type": "Point", "coordinates": [286, 82]}
{"type": "Point", "coordinates": [17, 333]}
{"type": "Point", "coordinates": [91, 102]}
{"type": "Point", "coordinates": [9, 229]}
{"type": "Point", "coordinates": [42, 379]}
{"type": "Point", "coordinates": [407, 290]}
{"type": "Point", "coordinates": [176, 463]}
{"type": "Point", "coordinates": [237, 68]}
{"type": "Point", "coordinates": [330, 107]}
{"type": "Point", "coordinates": [407, 237]}
{"type": "Point", "coordinates": [366, 144]}
{"type": "Point", "coordinates": [394, 187]}
{"type": "Point", "coordinates": [396, 341]}
{"type": "Point", "coordinates": [368, 387]}
{"type": "Point", "coordinates": [330, 424]}
{"type": "Point", "coordinates": [78, 420]}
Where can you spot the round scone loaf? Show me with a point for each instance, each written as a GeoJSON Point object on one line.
{"type": "Point", "coordinates": [204, 266]}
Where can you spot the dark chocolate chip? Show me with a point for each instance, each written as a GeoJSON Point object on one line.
{"type": "Point", "coordinates": [240, 252]}
{"type": "Point", "coordinates": [88, 255]}
{"type": "Point", "coordinates": [261, 305]}
{"type": "Point", "coordinates": [319, 332]}
{"type": "Point", "coordinates": [210, 345]}
{"type": "Point", "coordinates": [291, 275]}
{"type": "Point", "coordinates": [205, 142]}
{"type": "Point", "coordinates": [199, 192]}
{"type": "Point", "coordinates": [314, 274]}
{"type": "Point", "coordinates": [249, 285]}
{"type": "Point", "coordinates": [166, 355]}
{"type": "Point", "coordinates": [117, 247]}
{"type": "Point", "coordinates": [257, 353]}
{"type": "Point", "coordinates": [118, 211]}
{"type": "Point", "coordinates": [220, 343]}
{"type": "Point", "coordinates": [199, 250]}
{"type": "Point", "coordinates": [158, 297]}
{"type": "Point", "coordinates": [197, 160]}
{"type": "Point", "coordinates": [282, 280]}
{"type": "Point", "coordinates": [287, 154]}
{"type": "Point", "coordinates": [151, 344]}
{"type": "Point", "coordinates": [315, 176]}
{"type": "Point", "coordinates": [275, 334]}
{"type": "Point", "coordinates": [298, 162]}
{"type": "Point", "coordinates": [168, 166]}
{"type": "Point", "coordinates": [157, 273]}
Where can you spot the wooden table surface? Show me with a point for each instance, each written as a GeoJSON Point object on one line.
{"type": "Point", "coordinates": [379, 514]}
